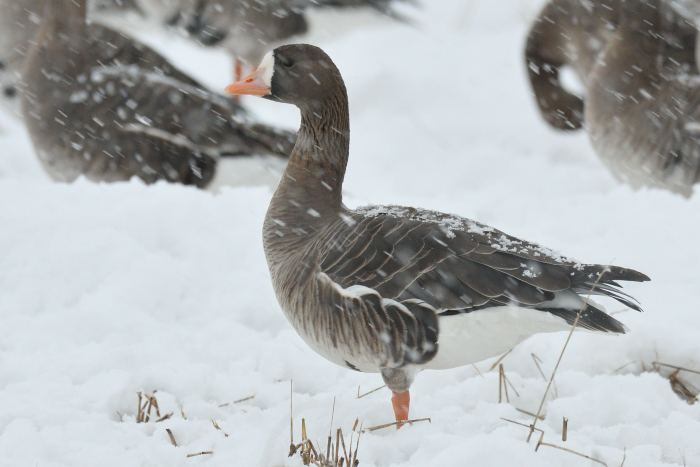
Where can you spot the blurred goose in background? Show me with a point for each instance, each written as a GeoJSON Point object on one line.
{"type": "Point", "coordinates": [19, 23]}
{"type": "Point", "coordinates": [248, 29]}
{"type": "Point", "coordinates": [99, 104]}
{"type": "Point", "coordinates": [394, 289]}
{"type": "Point", "coordinates": [637, 62]}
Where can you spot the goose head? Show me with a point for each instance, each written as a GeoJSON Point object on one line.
{"type": "Point", "coordinates": [297, 74]}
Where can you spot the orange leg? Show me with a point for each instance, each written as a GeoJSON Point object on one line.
{"type": "Point", "coordinates": [237, 70]}
{"type": "Point", "coordinates": [400, 401]}
{"type": "Point", "coordinates": [237, 74]}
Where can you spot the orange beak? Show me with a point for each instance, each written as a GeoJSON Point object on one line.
{"type": "Point", "coordinates": [252, 85]}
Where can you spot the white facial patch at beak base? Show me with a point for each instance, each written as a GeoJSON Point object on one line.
{"type": "Point", "coordinates": [268, 63]}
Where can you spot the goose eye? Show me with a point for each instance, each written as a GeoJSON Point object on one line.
{"type": "Point", "coordinates": [288, 63]}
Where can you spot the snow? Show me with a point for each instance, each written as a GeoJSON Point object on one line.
{"type": "Point", "coordinates": [107, 290]}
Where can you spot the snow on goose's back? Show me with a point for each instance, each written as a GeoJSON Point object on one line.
{"type": "Point", "coordinates": [394, 289]}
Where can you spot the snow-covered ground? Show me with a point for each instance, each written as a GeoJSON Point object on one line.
{"type": "Point", "coordinates": [107, 290]}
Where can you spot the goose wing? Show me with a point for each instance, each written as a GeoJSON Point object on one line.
{"type": "Point", "coordinates": [404, 267]}
{"type": "Point", "coordinates": [129, 112]}
{"type": "Point", "coordinates": [160, 96]}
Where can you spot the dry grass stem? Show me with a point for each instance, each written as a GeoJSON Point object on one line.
{"type": "Point", "coordinates": [500, 359]}
{"type": "Point", "coordinates": [172, 438]}
{"type": "Point", "coordinates": [330, 431]}
{"type": "Point", "coordinates": [216, 425]}
{"type": "Point", "coordinates": [623, 366]}
{"type": "Point", "coordinates": [541, 443]}
{"type": "Point", "coordinates": [203, 453]}
{"type": "Point", "coordinates": [223, 405]}
{"type": "Point", "coordinates": [522, 424]}
{"type": "Point", "coordinates": [564, 429]}
{"type": "Point", "coordinates": [352, 433]}
{"type": "Point", "coordinates": [342, 440]}
{"type": "Point", "coordinates": [337, 446]}
{"type": "Point", "coordinates": [505, 378]}
{"type": "Point", "coordinates": [244, 399]}
{"type": "Point", "coordinates": [354, 455]}
{"type": "Point", "coordinates": [676, 367]}
{"type": "Point", "coordinates": [367, 393]}
{"type": "Point", "coordinates": [165, 417]}
{"type": "Point", "coordinates": [410, 422]}
{"type": "Point", "coordinates": [311, 446]}
{"type": "Point", "coordinates": [624, 456]}
{"type": "Point", "coordinates": [537, 361]}
{"type": "Point", "coordinates": [477, 370]}
{"type": "Point", "coordinates": [154, 403]}
{"type": "Point", "coordinates": [541, 417]}
{"type": "Point", "coordinates": [561, 355]}
{"type": "Point", "coordinates": [683, 389]}
{"type": "Point", "coordinates": [333, 456]}
{"type": "Point", "coordinates": [291, 419]}
{"type": "Point", "coordinates": [143, 414]}
{"type": "Point", "coordinates": [182, 412]}
{"type": "Point", "coordinates": [502, 383]}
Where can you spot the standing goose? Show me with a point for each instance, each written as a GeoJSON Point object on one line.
{"type": "Point", "coordinates": [245, 29]}
{"type": "Point", "coordinates": [394, 289]}
{"type": "Point", "coordinates": [99, 104]}
{"type": "Point", "coordinates": [636, 61]}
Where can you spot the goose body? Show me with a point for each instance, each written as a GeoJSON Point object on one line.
{"type": "Point", "coordinates": [636, 61]}
{"type": "Point", "coordinates": [394, 289]}
{"type": "Point", "coordinates": [99, 104]}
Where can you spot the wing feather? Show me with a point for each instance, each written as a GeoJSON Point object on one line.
{"type": "Point", "coordinates": [418, 264]}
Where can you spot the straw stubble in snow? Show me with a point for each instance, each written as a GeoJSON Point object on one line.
{"type": "Point", "coordinates": [108, 290]}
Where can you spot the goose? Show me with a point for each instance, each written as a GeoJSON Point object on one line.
{"type": "Point", "coordinates": [393, 289]}
{"type": "Point", "coordinates": [99, 104]}
{"type": "Point", "coordinates": [636, 62]}
{"type": "Point", "coordinates": [246, 30]}
{"type": "Point", "coordinates": [19, 23]}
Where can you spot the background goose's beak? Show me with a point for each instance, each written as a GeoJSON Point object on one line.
{"type": "Point", "coordinates": [252, 85]}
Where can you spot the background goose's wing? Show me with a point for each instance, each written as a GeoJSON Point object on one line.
{"type": "Point", "coordinates": [456, 265]}
{"type": "Point", "coordinates": [127, 111]}
{"type": "Point", "coordinates": [172, 101]}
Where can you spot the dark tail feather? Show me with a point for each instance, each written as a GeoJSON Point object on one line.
{"type": "Point", "coordinates": [591, 318]}
{"type": "Point", "coordinates": [584, 282]}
